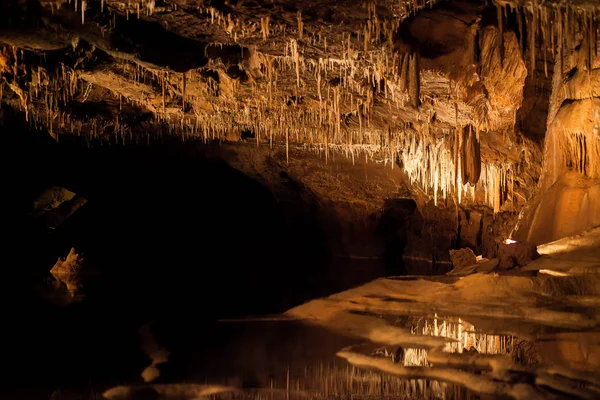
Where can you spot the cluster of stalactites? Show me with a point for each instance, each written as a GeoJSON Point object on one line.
{"type": "Point", "coordinates": [581, 152]}
{"type": "Point", "coordinates": [465, 336]}
{"type": "Point", "coordinates": [552, 29]}
{"type": "Point", "coordinates": [451, 167]}
{"type": "Point", "coordinates": [46, 97]}
{"type": "Point", "coordinates": [342, 121]}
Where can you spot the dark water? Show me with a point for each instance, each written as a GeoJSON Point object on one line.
{"type": "Point", "coordinates": [80, 350]}
{"type": "Point", "coordinates": [169, 237]}
{"type": "Point", "coordinates": [92, 341]}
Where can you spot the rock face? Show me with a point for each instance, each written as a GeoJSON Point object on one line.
{"type": "Point", "coordinates": [435, 103]}
{"type": "Point", "coordinates": [569, 198]}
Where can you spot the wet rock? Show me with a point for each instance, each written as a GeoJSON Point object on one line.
{"type": "Point", "coordinates": [69, 265]}
{"type": "Point", "coordinates": [517, 254]}
{"type": "Point", "coordinates": [52, 197]}
{"type": "Point", "coordinates": [56, 217]}
{"type": "Point", "coordinates": [56, 204]}
{"type": "Point", "coordinates": [67, 271]}
{"type": "Point", "coordinates": [462, 258]}
{"type": "Point", "coordinates": [487, 266]}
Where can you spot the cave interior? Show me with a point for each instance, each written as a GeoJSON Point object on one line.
{"type": "Point", "coordinates": [324, 199]}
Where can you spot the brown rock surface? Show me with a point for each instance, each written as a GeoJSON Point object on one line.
{"type": "Point", "coordinates": [69, 265]}
{"type": "Point", "coordinates": [462, 258]}
{"type": "Point", "coordinates": [517, 254]}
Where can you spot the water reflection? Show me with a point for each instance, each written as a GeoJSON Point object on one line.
{"type": "Point", "coordinates": [338, 380]}
{"type": "Point", "coordinates": [279, 360]}
{"type": "Point", "coordinates": [466, 338]}
{"type": "Point", "coordinates": [62, 290]}
{"type": "Point", "coordinates": [290, 360]}
{"type": "Point", "coordinates": [443, 356]}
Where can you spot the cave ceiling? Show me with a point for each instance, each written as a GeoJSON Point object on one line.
{"type": "Point", "coordinates": [434, 88]}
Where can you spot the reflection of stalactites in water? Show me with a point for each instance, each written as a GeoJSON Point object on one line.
{"type": "Point", "coordinates": [468, 339]}
{"type": "Point", "coordinates": [337, 380]}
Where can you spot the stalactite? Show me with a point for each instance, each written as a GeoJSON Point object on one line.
{"type": "Point", "coordinates": [300, 25]}
{"type": "Point", "coordinates": [414, 81]}
{"type": "Point", "coordinates": [590, 38]}
{"type": "Point", "coordinates": [404, 76]}
{"type": "Point", "coordinates": [264, 23]}
{"type": "Point", "coordinates": [500, 33]}
{"type": "Point", "coordinates": [471, 157]}
{"type": "Point", "coordinates": [532, 41]}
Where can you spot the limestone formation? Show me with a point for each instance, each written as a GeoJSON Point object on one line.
{"type": "Point", "coordinates": [452, 94]}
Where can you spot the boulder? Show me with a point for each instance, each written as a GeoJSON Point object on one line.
{"type": "Point", "coordinates": [55, 204]}
{"type": "Point", "coordinates": [462, 258]}
{"type": "Point", "coordinates": [51, 198]}
{"type": "Point", "coordinates": [517, 254]}
{"type": "Point", "coordinates": [69, 265]}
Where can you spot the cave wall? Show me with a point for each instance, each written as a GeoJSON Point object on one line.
{"type": "Point", "coordinates": [568, 201]}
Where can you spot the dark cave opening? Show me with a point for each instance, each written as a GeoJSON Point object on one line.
{"type": "Point", "coordinates": [394, 227]}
